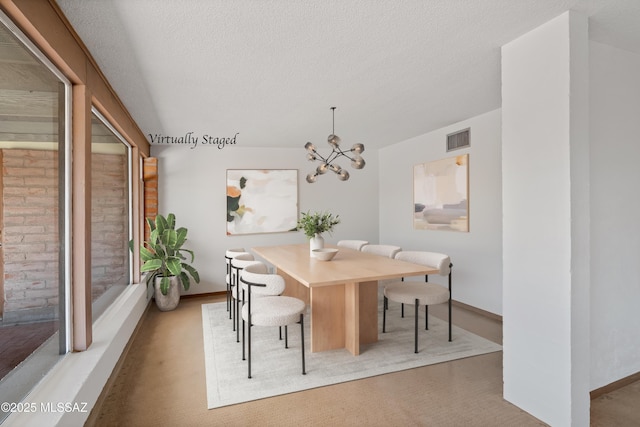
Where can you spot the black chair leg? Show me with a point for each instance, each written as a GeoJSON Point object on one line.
{"type": "Point", "coordinates": [416, 327]}
{"type": "Point", "coordinates": [384, 314]}
{"type": "Point", "coordinates": [402, 310]}
{"type": "Point", "coordinates": [449, 319]}
{"type": "Point", "coordinates": [232, 313]}
{"type": "Point", "coordinates": [243, 341]}
{"type": "Point", "coordinates": [304, 372]}
{"type": "Point", "coordinates": [426, 317]}
{"type": "Point", "coordinates": [286, 337]}
{"type": "Point", "coordinates": [249, 350]}
{"type": "Point", "coordinates": [238, 315]}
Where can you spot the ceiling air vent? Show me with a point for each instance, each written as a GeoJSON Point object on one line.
{"type": "Point", "coordinates": [458, 140]}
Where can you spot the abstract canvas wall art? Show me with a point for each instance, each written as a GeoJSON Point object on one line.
{"type": "Point", "coordinates": [261, 200]}
{"type": "Point", "coordinates": [441, 194]}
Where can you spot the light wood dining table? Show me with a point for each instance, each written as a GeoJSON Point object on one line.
{"type": "Point", "coordinates": [342, 293]}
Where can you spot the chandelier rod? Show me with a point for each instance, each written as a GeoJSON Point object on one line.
{"type": "Point", "coordinates": [333, 127]}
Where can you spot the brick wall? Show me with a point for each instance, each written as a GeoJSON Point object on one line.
{"type": "Point", "coordinates": [109, 223]}
{"type": "Point", "coordinates": [30, 233]}
{"type": "Point", "coordinates": [30, 230]}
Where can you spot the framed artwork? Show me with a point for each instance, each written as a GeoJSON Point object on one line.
{"type": "Point", "coordinates": [261, 200]}
{"type": "Point", "coordinates": [441, 194]}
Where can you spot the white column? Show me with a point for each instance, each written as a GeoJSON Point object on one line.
{"type": "Point", "coordinates": [545, 176]}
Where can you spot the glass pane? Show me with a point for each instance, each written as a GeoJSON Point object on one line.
{"type": "Point", "coordinates": [110, 255]}
{"type": "Point", "coordinates": [32, 137]}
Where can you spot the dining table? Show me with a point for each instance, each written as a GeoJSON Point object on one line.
{"type": "Point", "coordinates": [342, 293]}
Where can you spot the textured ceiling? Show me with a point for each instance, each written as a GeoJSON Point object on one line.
{"type": "Point", "coordinates": [270, 70]}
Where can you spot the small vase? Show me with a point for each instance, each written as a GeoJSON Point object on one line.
{"type": "Point", "coordinates": [316, 242]}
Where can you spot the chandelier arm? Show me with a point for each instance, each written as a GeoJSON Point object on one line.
{"type": "Point", "coordinates": [321, 157]}
{"type": "Point", "coordinates": [345, 154]}
{"type": "Point", "coordinates": [334, 155]}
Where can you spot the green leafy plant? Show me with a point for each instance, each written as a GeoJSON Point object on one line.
{"type": "Point", "coordinates": [163, 255]}
{"type": "Point", "coordinates": [317, 223]}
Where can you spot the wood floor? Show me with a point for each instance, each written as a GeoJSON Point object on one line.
{"type": "Point", "coordinates": [161, 382]}
{"type": "Point", "coordinates": [17, 342]}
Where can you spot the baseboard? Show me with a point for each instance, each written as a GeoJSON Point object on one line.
{"type": "Point", "coordinates": [478, 310]}
{"type": "Point", "coordinates": [207, 294]}
{"type": "Point", "coordinates": [594, 394]}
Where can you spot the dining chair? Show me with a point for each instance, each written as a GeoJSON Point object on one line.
{"type": "Point", "coordinates": [238, 263]}
{"type": "Point", "coordinates": [229, 254]}
{"type": "Point", "coordinates": [420, 293]}
{"type": "Point", "coordinates": [266, 307]}
{"type": "Point", "coordinates": [352, 244]}
{"type": "Point", "coordinates": [388, 251]}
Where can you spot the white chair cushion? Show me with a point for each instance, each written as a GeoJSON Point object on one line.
{"type": "Point", "coordinates": [431, 259]}
{"type": "Point", "coordinates": [352, 244]}
{"type": "Point", "coordinates": [274, 311]}
{"type": "Point", "coordinates": [407, 292]}
{"type": "Point", "coordinates": [234, 294]}
{"type": "Point", "coordinates": [388, 251]}
{"type": "Point", "coordinates": [254, 273]}
{"type": "Point", "coordinates": [233, 253]}
{"type": "Point", "coordinates": [241, 261]}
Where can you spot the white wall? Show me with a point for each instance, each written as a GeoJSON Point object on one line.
{"type": "Point", "coordinates": [192, 185]}
{"type": "Point", "coordinates": [545, 177]}
{"type": "Point", "coordinates": [476, 255]}
{"type": "Point", "coordinates": [615, 209]}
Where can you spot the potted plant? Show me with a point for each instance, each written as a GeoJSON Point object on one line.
{"type": "Point", "coordinates": [314, 224]}
{"type": "Point", "coordinates": [165, 263]}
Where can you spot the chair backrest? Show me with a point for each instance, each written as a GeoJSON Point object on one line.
{"type": "Point", "coordinates": [388, 251]}
{"type": "Point", "coordinates": [352, 244]}
{"type": "Point", "coordinates": [237, 263]}
{"type": "Point", "coordinates": [256, 273]}
{"type": "Point", "coordinates": [432, 259]}
{"type": "Point", "coordinates": [242, 260]}
{"type": "Point", "coordinates": [232, 253]}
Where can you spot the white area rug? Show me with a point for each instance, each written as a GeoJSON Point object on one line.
{"type": "Point", "coordinates": [276, 370]}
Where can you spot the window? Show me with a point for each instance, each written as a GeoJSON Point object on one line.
{"type": "Point", "coordinates": [110, 214]}
{"type": "Point", "coordinates": [34, 153]}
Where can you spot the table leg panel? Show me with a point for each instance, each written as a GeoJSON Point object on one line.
{"type": "Point", "coordinates": [327, 317]}
{"type": "Point", "coordinates": [368, 315]}
{"type": "Point", "coordinates": [351, 316]}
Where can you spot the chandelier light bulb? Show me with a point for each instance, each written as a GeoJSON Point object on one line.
{"type": "Point", "coordinates": [357, 148]}
{"type": "Point", "coordinates": [343, 175]}
{"type": "Point", "coordinates": [310, 147]}
{"type": "Point", "coordinates": [311, 178]}
{"type": "Point", "coordinates": [322, 168]}
{"type": "Point", "coordinates": [358, 162]}
{"type": "Point", "coordinates": [334, 140]}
